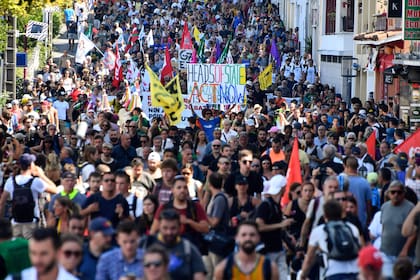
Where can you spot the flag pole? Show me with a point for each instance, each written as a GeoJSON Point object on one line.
{"type": "Point", "coordinates": [99, 50]}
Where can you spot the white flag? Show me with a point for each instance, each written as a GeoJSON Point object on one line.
{"type": "Point", "coordinates": [229, 58]}
{"type": "Point", "coordinates": [141, 34]}
{"type": "Point", "coordinates": [149, 39]}
{"type": "Point", "coordinates": [83, 47]}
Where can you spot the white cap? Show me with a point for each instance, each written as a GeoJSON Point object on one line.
{"type": "Point", "coordinates": [154, 156]}
{"type": "Point", "coordinates": [275, 185]}
{"type": "Point", "coordinates": [250, 122]}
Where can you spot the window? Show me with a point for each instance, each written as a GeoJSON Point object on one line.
{"type": "Point", "coordinates": [330, 16]}
{"type": "Point", "coordinates": [348, 20]}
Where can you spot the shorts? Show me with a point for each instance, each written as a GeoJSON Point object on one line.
{"type": "Point", "coordinates": [72, 36]}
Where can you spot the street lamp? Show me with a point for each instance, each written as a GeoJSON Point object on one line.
{"type": "Point", "coordinates": [349, 67]}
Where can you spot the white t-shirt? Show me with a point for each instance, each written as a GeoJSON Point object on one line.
{"type": "Point", "coordinates": [139, 206]}
{"type": "Point", "coordinates": [61, 107]}
{"type": "Point", "coordinates": [86, 170]}
{"type": "Point", "coordinates": [37, 188]}
{"type": "Point", "coordinates": [318, 239]}
{"type": "Point", "coordinates": [375, 229]}
{"type": "Point", "coordinates": [30, 274]}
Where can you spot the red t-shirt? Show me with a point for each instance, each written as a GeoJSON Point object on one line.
{"type": "Point", "coordinates": [200, 215]}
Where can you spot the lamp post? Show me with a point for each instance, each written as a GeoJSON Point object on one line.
{"type": "Point", "coordinates": [349, 67]}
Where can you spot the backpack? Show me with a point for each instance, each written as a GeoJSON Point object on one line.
{"type": "Point", "coordinates": [23, 203]}
{"type": "Point", "coordinates": [341, 244]}
{"type": "Point", "coordinates": [227, 273]}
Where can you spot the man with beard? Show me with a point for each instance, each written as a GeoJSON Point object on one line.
{"type": "Point", "coordinates": [246, 263]}
{"type": "Point", "coordinates": [185, 258]}
{"type": "Point", "coordinates": [43, 250]}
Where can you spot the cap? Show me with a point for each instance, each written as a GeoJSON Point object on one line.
{"type": "Point", "coordinates": [275, 185]}
{"type": "Point", "coordinates": [101, 224]}
{"type": "Point", "coordinates": [280, 165]}
{"type": "Point", "coordinates": [9, 106]}
{"type": "Point", "coordinates": [241, 180]}
{"type": "Point", "coordinates": [372, 177]}
{"type": "Point", "coordinates": [370, 256]}
{"type": "Point", "coordinates": [356, 151]}
{"type": "Point", "coordinates": [273, 129]}
{"type": "Point", "coordinates": [402, 161]}
{"type": "Point", "coordinates": [19, 136]}
{"type": "Point", "coordinates": [249, 83]}
{"type": "Point", "coordinates": [15, 102]}
{"type": "Point", "coordinates": [250, 122]}
{"type": "Point", "coordinates": [26, 160]}
{"type": "Point", "coordinates": [68, 175]}
{"type": "Point", "coordinates": [363, 116]}
{"type": "Point", "coordinates": [257, 106]}
{"type": "Point", "coordinates": [29, 102]}
{"type": "Point", "coordinates": [154, 156]}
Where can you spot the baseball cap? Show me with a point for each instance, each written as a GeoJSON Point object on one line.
{"type": "Point", "coordinates": [250, 122]}
{"type": "Point", "coordinates": [369, 256]}
{"type": "Point", "coordinates": [372, 177]}
{"type": "Point", "coordinates": [154, 156]}
{"type": "Point", "coordinates": [15, 102]}
{"type": "Point", "coordinates": [241, 180]}
{"type": "Point", "coordinates": [26, 160]}
{"type": "Point", "coordinates": [102, 224]}
{"type": "Point", "coordinates": [275, 185]}
{"type": "Point", "coordinates": [68, 175]}
{"type": "Point", "coordinates": [363, 116]}
{"type": "Point", "coordinates": [273, 129]}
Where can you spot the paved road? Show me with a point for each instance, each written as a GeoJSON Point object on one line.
{"type": "Point", "coordinates": [60, 44]}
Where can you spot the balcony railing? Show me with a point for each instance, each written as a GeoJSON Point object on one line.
{"type": "Point", "coordinates": [381, 23]}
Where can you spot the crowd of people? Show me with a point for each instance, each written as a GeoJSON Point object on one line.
{"type": "Point", "coordinates": [89, 195]}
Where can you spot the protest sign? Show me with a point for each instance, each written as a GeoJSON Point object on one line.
{"type": "Point", "coordinates": [184, 57]}
{"type": "Point", "coordinates": [220, 84]}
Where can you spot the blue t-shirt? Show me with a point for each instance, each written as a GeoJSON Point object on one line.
{"type": "Point", "coordinates": [209, 126]}
{"type": "Point", "coordinates": [69, 14]}
{"type": "Point", "coordinates": [360, 188]}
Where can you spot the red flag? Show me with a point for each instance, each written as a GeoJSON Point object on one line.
{"type": "Point", "coordinates": [118, 74]}
{"type": "Point", "coordinates": [134, 36]}
{"type": "Point", "coordinates": [167, 70]}
{"type": "Point", "coordinates": [371, 145]}
{"type": "Point", "coordinates": [293, 172]}
{"type": "Point", "coordinates": [411, 145]}
{"type": "Point", "coordinates": [186, 42]}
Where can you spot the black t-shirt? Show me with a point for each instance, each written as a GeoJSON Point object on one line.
{"type": "Point", "coordinates": [269, 211]}
{"type": "Point", "coordinates": [255, 183]}
{"type": "Point", "coordinates": [107, 207]}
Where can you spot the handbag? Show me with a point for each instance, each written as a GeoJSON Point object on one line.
{"type": "Point", "coordinates": [218, 239]}
{"type": "Point", "coordinates": [219, 243]}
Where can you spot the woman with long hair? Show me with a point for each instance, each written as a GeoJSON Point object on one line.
{"type": "Point", "coordinates": [266, 166]}
{"type": "Point", "coordinates": [195, 187]}
{"type": "Point", "coordinates": [64, 208]}
{"type": "Point", "coordinates": [144, 222]}
{"type": "Point", "coordinates": [200, 144]}
{"type": "Point", "coordinates": [90, 156]}
{"type": "Point", "coordinates": [297, 208]}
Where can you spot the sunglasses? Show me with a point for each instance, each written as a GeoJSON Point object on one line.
{"type": "Point", "coordinates": [216, 146]}
{"type": "Point", "coordinates": [396, 192]}
{"type": "Point", "coordinates": [76, 254]}
{"type": "Point", "coordinates": [247, 161]}
{"type": "Point", "coordinates": [154, 264]}
{"type": "Point", "coordinates": [255, 165]}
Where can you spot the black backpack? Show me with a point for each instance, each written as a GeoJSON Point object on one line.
{"type": "Point", "coordinates": [342, 245]}
{"type": "Point", "coordinates": [23, 203]}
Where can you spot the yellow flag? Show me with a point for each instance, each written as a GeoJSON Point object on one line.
{"type": "Point", "coordinates": [266, 77]}
{"type": "Point", "coordinates": [173, 87]}
{"type": "Point", "coordinates": [196, 34]}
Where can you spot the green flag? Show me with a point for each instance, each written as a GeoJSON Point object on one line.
{"type": "Point", "coordinates": [224, 54]}
{"type": "Point", "coordinates": [200, 53]}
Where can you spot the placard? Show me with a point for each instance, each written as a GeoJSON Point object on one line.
{"type": "Point", "coordinates": [219, 84]}
{"type": "Point", "coordinates": [184, 57]}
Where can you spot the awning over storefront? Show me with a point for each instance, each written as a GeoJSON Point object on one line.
{"type": "Point", "coordinates": [390, 38]}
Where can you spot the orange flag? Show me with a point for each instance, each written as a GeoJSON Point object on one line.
{"type": "Point", "coordinates": [293, 172]}
{"type": "Point", "coordinates": [371, 145]}
{"type": "Point", "coordinates": [411, 145]}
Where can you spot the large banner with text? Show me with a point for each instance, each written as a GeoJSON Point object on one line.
{"type": "Point", "coordinates": [216, 84]}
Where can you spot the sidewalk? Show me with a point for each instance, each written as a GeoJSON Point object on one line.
{"type": "Point", "coordinates": [60, 44]}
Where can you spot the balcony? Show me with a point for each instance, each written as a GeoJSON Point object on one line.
{"type": "Point", "coordinates": [380, 24]}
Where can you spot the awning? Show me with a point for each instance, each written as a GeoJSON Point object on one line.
{"type": "Point", "coordinates": [378, 38]}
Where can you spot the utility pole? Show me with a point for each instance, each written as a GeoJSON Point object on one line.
{"type": "Point", "coordinates": [10, 58]}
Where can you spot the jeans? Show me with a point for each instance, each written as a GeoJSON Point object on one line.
{"type": "Point", "coordinates": [342, 276]}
